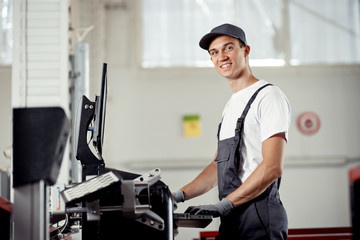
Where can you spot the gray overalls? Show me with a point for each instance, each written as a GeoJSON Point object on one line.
{"type": "Point", "coordinates": [261, 218]}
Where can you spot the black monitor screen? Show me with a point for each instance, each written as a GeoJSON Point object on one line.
{"type": "Point", "coordinates": [100, 110]}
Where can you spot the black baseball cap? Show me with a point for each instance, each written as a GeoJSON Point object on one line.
{"type": "Point", "coordinates": [224, 29]}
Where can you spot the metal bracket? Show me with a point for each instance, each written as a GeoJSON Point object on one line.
{"type": "Point", "coordinates": [93, 210]}
{"type": "Point", "coordinates": [132, 208]}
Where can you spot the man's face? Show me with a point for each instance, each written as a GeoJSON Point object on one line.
{"type": "Point", "coordinates": [228, 56]}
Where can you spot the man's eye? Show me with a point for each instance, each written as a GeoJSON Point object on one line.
{"type": "Point", "coordinates": [213, 53]}
{"type": "Point", "coordinates": [229, 48]}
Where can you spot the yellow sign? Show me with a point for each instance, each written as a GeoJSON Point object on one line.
{"type": "Point", "coordinates": [192, 126]}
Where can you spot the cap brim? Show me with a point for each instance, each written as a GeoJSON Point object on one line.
{"type": "Point", "coordinates": [208, 38]}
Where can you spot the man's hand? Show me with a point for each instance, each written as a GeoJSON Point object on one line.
{"type": "Point", "coordinates": [221, 208]}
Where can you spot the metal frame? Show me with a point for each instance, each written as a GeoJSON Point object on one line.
{"type": "Point", "coordinates": [31, 216]}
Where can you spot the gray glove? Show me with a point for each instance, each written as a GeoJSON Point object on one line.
{"type": "Point", "coordinates": [179, 196]}
{"type": "Point", "coordinates": [221, 208]}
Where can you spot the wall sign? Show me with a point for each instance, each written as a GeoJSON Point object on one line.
{"type": "Point", "coordinates": [191, 126]}
{"type": "Point", "coordinates": [308, 123]}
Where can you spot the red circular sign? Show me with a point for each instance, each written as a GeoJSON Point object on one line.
{"type": "Point", "coordinates": [308, 123]}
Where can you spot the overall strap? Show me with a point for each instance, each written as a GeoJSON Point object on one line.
{"type": "Point", "coordinates": [246, 109]}
{"type": "Point", "coordinates": [244, 112]}
{"type": "Point", "coordinates": [240, 125]}
{"type": "Point", "coordinates": [218, 132]}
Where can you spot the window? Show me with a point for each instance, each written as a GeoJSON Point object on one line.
{"type": "Point", "coordinates": [324, 31]}
{"type": "Point", "coordinates": [6, 32]}
{"type": "Point", "coordinates": [279, 32]}
{"type": "Point", "coordinates": [172, 30]}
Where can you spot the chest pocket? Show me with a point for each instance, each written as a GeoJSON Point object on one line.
{"type": "Point", "coordinates": [228, 179]}
{"type": "Point", "coordinates": [223, 154]}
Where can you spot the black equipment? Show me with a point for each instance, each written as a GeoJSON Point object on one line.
{"type": "Point", "coordinates": [5, 216]}
{"type": "Point", "coordinates": [39, 140]}
{"type": "Point", "coordinates": [92, 112]}
{"type": "Point", "coordinates": [110, 203]}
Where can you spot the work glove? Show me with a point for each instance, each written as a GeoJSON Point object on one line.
{"type": "Point", "coordinates": [179, 196]}
{"type": "Point", "coordinates": [221, 208]}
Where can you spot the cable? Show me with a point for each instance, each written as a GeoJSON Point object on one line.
{"type": "Point", "coordinates": [91, 129]}
{"type": "Point", "coordinates": [54, 235]}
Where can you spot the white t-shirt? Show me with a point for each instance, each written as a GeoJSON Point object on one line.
{"type": "Point", "coordinates": [268, 115]}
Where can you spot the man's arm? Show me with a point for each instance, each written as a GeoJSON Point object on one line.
{"type": "Point", "coordinates": [205, 181]}
{"type": "Point", "coordinates": [270, 169]}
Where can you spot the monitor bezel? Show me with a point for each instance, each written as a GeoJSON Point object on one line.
{"type": "Point", "coordinates": [100, 113]}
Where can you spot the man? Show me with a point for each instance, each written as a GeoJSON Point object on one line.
{"type": "Point", "coordinates": [252, 136]}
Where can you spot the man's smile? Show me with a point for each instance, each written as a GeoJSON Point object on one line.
{"type": "Point", "coordinates": [225, 66]}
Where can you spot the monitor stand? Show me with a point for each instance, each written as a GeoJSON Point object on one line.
{"type": "Point", "coordinates": [91, 165]}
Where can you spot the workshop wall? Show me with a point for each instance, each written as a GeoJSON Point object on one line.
{"type": "Point", "coordinates": [147, 105]}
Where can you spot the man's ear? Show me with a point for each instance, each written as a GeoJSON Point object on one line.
{"type": "Point", "coordinates": [247, 50]}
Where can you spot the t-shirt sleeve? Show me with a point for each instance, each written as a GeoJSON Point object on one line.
{"type": "Point", "coordinates": [274, 114]}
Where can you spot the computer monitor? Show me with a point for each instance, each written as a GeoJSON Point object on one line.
{"type": "Point", "coordinates": [99, 115]}
{"type": "Point", "coordinates": [89, 127]}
